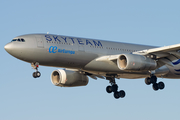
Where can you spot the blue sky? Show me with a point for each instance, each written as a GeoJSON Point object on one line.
{"type": "Point", "coordinates": [155, 22]}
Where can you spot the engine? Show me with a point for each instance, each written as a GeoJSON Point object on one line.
{"type": "Point", "coordinates": [135, 62]}
{"type": "Point", "coordinates": [68, 78]}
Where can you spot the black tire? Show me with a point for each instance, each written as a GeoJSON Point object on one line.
{"type": "Point", "coordinates": [122, 93]}
{"type": "Point", "coordinates": [114, 88]}
{"type": "Point", "coordinates": [38, 74]}
{"type": "Point", "coordinates": [153, 79]}
{"type": "Point", "coordinates": [116, 95]}
{"type": "Point", "coordinates": [161, 85]}
{"type": "Point", "coordinates": [148, 81]}
{"type": "Point", "coordinates": [155, 86]}
{"type": "Point", "coordinates": [34, 75]}
{"type": "Point", "coordinates": [109, 89]}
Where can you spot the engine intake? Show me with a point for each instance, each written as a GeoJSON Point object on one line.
{"type": "Point", "coordinates": [68, 78]}
{"type": "Point", "coordinates": [135, 62]}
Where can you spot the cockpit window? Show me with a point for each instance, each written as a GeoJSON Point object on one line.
{"type": "Point", "coordinates": [13, 40]}
{"type": "Point", "coordinates": [19, 40]}
{"type": "Point", "coordinates": [22, 40]}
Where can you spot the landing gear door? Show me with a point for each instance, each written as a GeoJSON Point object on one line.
{"type": "Point", "coordinates": [39, 40]}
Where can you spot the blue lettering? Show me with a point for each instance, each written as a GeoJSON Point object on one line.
{"type": "Point", "coordinates": [52, 49]}
{"type": "Point", "coordinates": [72, 52]}
{"type": "Point", "coordinates": [64, 39]}
{"type": "Point", "coordinates": [59, 50]}
{"type": "Point", "coordinates": [72, 39]}
{"type": "Point", "coordinates": [88, 42]}
{"type": "Point", "coordinates": [80, 41]}
{"type": "Point", "coordinates": [66, 51]}
{"type": "Point", "coordinates": [56, 38]}
{"type": "Point", "coordinates": [48, 38]}
{"type": "Point", "coordinates": [98, 44]}
{"type": "Point", "coordinates": [63, 50]}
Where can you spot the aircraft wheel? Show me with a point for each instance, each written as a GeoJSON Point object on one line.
{"type": "Point", "coordinates": [114, 88]}
{"type": "Point", "coordinates": [122, 93]}
{"type": "Point", "coordinates": [153, 79]}
{"type": "Point", "coordinates": [36, 74]}
{"type": "Point", "coordinates": [155, 86]}
{"type": "Point", "coordinates": [116, 95]}
{"type": "Point", "coordinates": [148, 81]}
{"type": "Point", "coordinates": [161, 85]}
{"type": "Point", "coordinates": [109, 89]}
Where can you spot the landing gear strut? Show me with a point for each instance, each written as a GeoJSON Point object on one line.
{"type": "Point", "coordinates": [37, 73]}
{"type": "Point", "coordinates": [114, 88]}
{"type": "Point", "coordinates": [153, 80]}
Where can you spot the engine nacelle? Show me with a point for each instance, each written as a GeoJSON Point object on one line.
{"type": "Point", "coordinates": [135, 62]}
{"type": "Point", "coordinates": [67, 78]}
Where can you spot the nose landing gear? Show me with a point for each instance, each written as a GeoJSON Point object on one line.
{"type": "Point", "coordinates": [35, 66]}
{"type": "Point", "coordinates": [114, 88]}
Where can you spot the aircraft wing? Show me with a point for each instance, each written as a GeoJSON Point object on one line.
{"type": "Point", "coordinates": [165, 54]}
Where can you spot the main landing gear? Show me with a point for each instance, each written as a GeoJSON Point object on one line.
{"type": "Point", "coordinates": [35, 66]}
{"type": "Point", "coordinates": [153, 80]}
{"type": "Point", "coordinates": [114, 88]}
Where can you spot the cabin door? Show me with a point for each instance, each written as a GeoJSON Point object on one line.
{"type": "Point", "coordinates": [40, 43]}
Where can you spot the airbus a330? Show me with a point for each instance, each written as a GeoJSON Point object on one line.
{"type": "Point", "coordinates": [82, 58]}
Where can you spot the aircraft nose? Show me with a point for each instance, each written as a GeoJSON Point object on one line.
{"type": "Point", "coordinates": [14, 49]}
{"type": "Point", "coordinates": [8, 47]}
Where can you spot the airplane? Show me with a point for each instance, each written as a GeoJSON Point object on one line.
{"type": "Point", "coordinates": [82, 58]}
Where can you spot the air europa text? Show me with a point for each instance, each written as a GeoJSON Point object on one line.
{"type": "Point", "coordinates": [54, 49]}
